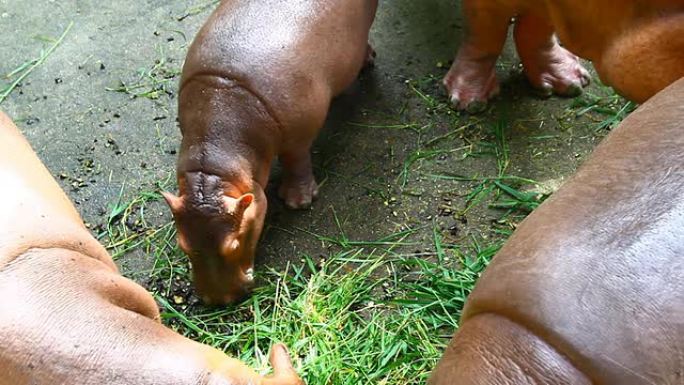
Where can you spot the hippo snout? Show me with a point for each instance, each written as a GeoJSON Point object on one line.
{"type": "Point", "coordinates": [217, 291]}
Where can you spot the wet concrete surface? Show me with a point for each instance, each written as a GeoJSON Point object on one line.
{"type": "Point", "coordinates": [105, 146]}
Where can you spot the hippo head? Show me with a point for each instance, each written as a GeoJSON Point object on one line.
{"type": "Point", "coordinates": [220, 235]}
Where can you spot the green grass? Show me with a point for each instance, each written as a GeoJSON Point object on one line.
{"type": "Point", "coordinates": [366, 313]}
{"type": "Point", "coordinates": [196, 10]}
{"type": "Point", "coordinates": [130, 228]}
{"type": "Point", "coordinates": [607, 110]}
{"type": "Point", "coordinates": [419, 155]}
{"type": "Point", "coordinates": [359, 317]}
{"type": "Point", "coordinates": [152, 82]}
{"type": "Point", "coordinates": [504, 187]}
{"type": "Point", "coordinates": [421, 88]}
{"type": "Point", "coordinates": [502, 191]}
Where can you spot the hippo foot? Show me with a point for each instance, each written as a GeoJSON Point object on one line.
{"type": "Point", "coordinates": [556, 71]}
{"type": "Point", "coordinates": [471, 83]}
{"type": "Point", "coordinates": [298, 194]}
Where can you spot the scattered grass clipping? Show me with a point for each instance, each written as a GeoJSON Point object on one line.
{"type": "Point", "coordinates": [24, 70]}
{"type": "Point", "coordinates": [367, 313]}
{"type": "Point", "coordinates": [346, 320]}
{"type": "Point", "coordinates": [153, 82]}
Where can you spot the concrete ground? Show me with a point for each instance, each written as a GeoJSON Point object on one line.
{"type": "Point", "coordinates": [376, 159]}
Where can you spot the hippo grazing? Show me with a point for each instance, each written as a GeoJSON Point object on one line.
{"type": "Point", "coordinates": [257, 83]}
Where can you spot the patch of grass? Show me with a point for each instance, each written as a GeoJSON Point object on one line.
{"type": "Point", "coordinates": [406, 126]}
{"type": "Point", "coordinates": [352, 319]}
{"type": "Point", "coordinates": [421, 154]}
{"type": "Point", "coordinates": [20, 73]}
{"type": "Point", "coordinates": [126, 222]}
{"type": "Point", "coordinates": [152, 82]}
{"type": "Point", "coordinates": [423, 150]}
{"type": "Point", "coordinates": [424, 88]}
{"type": "Point", "coordinates": [196, 10]}
{"type": "Point", "coordinates": [607, 111]}
{"type": "Point", "coordinates": [516, 200]}
{"type": "Point", "coordinates": [129, 228]}
{"type": "Point", "coordinates": [372, 188]}
{"type": "Point", "coordinates": [387, 242]}
{"type": "Point", "coordinates": [437, 290]}
{"type": "Point", "coordinates": [363, 314]}
{"type": "Point", "coordinates": [502, 190]}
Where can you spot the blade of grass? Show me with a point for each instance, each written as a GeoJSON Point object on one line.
{"type": "Point", "coordinates": [28, 67]}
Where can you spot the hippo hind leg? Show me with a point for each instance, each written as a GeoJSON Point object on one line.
{"type": "Point", "coordinates": [298, 188]}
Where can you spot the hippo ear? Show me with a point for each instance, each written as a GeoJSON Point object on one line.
{"type": "Point", "coordinates": [183, 243]}
{"type": "Point", "coordinates": [237, 206]}
{"type": "Point", "coordinates": [174, 202]}
{"type": "Point", "coordinates": [244, 202]}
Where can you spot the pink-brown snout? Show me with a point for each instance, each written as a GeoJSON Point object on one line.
{"type": "Point", "coordinates": [221, 282]}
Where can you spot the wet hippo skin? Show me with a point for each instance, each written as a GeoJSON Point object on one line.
{"type": "Point", "coordinates": [68, 317]}
{"type": "Point", "coordinates": [256, 85]}
{"type": "Point", "coordinates": [590, 287]}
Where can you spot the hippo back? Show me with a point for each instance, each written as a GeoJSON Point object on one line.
{"type": "Point", "coordinates": [293, 55]}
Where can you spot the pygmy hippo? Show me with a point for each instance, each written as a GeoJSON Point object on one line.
{"type": "Point", "coordinates": [636, 46]}
{"type": "Point", "coordinates": [67, 317]}
{"type": "Point", "coordinates": [257, 83]}
{"type": "Point", "coordinates": [590, 287]}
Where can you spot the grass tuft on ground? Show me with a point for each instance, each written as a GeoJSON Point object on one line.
{"type": "Point", "coordinates": [19, 74]}
{"type": "Point", "coordinates": [359, 316]}
{"type": "Point", "coordinates": [369, 311]}
{"type": "Point", "coordinates": [153, 82]}
{"type": "Point", "coordinates": [366, 313]}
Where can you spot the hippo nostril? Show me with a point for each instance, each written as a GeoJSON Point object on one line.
{"type": "Point", "coordinates": [249, 274]}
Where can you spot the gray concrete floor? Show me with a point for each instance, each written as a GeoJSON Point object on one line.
{"type": "Point", "coordinates": [102, 143]}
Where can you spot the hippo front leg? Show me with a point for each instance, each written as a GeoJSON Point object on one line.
{"type": "Point", "coordinates": [549, 67]}
{"type": "Point", "coordinates": [298, 188]}
{"type": "Point", "coordinates": [471, 81]}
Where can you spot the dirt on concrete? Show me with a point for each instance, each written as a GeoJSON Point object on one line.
{"type": "Point", "coordinates": [392, 155]}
